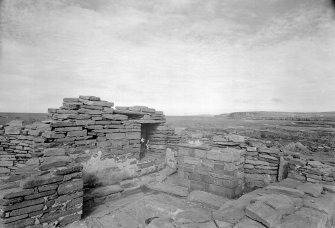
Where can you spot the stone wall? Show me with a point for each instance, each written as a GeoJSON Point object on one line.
{"type": "Point", "coordinates": [48, 193]}
{"type": "Point", "coordinates": [106, 140]}
{"type": "Point", "coordinates": [307, 169]}
{"type": "Point", "coordinates": [228, 165]}
{"type": "Point", "coordinates": [19, 143]}
{"type": "Point", "coordinates": [215, 170]}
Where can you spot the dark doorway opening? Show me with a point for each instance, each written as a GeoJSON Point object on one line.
{"type": "Point", "coordinates": [146, 131]}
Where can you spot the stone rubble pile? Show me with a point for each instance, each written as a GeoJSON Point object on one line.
{"type": "Point", "coordinates": [52, 196]}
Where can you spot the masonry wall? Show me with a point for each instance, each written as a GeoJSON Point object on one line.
{"type": "Point", "coordinates": [51, 195]}
{"type": "Point", "coordinates": [106, 140]}
{"type": "Point", "coordinates": [308, 169]}
{"type": "Point", "coordinates": [19, 143]}
{"type": "Point", "coordinates": [215, 170]}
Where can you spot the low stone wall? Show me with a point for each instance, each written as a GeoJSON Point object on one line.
{"type": "Point", "coordinates": [216, 170]}
{"type": "Point", "coordinates": [261, 166]}
{"type": "Point", "coordinates": [19, 143]}
{"type": "Point", "coordinates": [52, 195]}
{"type": "Point", "coordinates": [309, 170]}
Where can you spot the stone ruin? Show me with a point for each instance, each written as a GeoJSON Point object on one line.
{"type": "Point", "coordinates": [87, 143]}
{"type": "Point", "coordinates": [89, 152]}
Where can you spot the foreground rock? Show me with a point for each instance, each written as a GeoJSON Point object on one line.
{"type": "Point", "coordinates": [207, 199]}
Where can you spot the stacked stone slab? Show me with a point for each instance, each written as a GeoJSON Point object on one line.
{"type": "Point", "coordinates": [142, 112]}
{"type": "Point", "coordinates": [261, 163]}
{"type": "Point", "coordinates": [89, 122]}
{"type": "Point", "coordinates": [53, 196]}
{"type": "Point", "coordinates": [307, 169]}
{"type": "Point", "coordinates": [158, 138]}
{"type": "Point", "coordinates": [19, 143]}
{"type": "Point", "coordinates": [172, 138]}
{"type": "Point", "coordinates": [215, 170]}
{"type": "Point", "coordinates": [261, 166]}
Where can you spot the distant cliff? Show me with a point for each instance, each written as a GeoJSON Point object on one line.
{"type": "Point", "coordinates": [297, 116]}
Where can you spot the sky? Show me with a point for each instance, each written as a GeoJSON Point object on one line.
{"type": "Point", "coordinates": [184, 57]}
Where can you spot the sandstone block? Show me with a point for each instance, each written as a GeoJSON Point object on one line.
{"type": "Point", "coordinates": [214, 154]}
{"type": "Point", "coordinates": [116, 136]}
{"type": "Point", "coordinates": [70, 186]}
{"type": "Point", "coordinates": [106, 190]}
{"type": "Point", "coordinates": [35, 181]}
{"type": "Point", "coordinates": [26, 210]}
{"type": "Point", "coordinates": [67, 197]}
{"type": "Point", "coordinates": [6, 163]}
{"type": "Point", "coordinates": [39, 195]}
{"type": "Point", "coordinates": [15, 192]}
{"type": "Point", "coordinates": [53, 152]}
{"type": "Point", "coordinates": [77, 133]}
{"type": "Point", "coordinates": [23, 204]}
{"type": "Point", "coordinates": [90, 98]}
{"type": "Point", "coordinates": [314, 190]}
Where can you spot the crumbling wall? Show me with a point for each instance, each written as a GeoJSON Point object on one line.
{"type": "Point", "coordinates": [51, 195]}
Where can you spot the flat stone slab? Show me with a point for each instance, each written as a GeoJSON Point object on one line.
{"type": "Point", "coordinates": [248, 223]}
{"type": "Point", "coordinates": [106, 190]}
{"type": "Point", "coordinates": [169, 189]}
{"type": "Point", "coordinates": [208, 199]}
{"type": "Point", "coordinates": [329, 188]}
{"type": "Point", "coordinates": [314, 190]}
{"type": "Point", "coordinates": [193, 215]}
{"type": "Point", "coordinates": [287, 191]}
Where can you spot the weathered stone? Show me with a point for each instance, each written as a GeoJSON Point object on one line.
{"type": "Point", "coordinates": [90, 98]}
{"type": "Point", "coordinates": [208, 199]}
{"type": "Point", "coordinates": [263, 213]}
{"type": "Point", "coordinates": [15, 192]}
{"type": "Point", "coordinates": [67, 197]}
{"type": "Point", "coordinates": [169, 188]}
{"type": "Point", "coordinates": [256, 162]}
{"type": "Point", "coordinates": [194, 215]}
{"type": "Point", "coordinates": [53, 164]}
{"type": "Point", "coordinates": [229, 214]}
{"type": "Point", "coordinates": [13, 219]}
{"type": "Point", "coordinates": [48, 187]}
{"type": "Point", "coordinates": [70, 186]}
{"type": "Point", "coordinates": [22, 223]}
{"type": "Point", "coordinates": [26, 210]}
{"type": "Point", "coordinates": [325, 203]}
{"type": "Point", "coordinates": [6, 163]}
{"type": "Point", "coordinates": [23, 204]}
{"type": "Point", "coordinates": [286, 191]}
{"type": "Point", "coordinates": [53, 152]}
{"type": "Point", "coordinates": [39, 195]}
{"type": "Point", "coordinates": [106, 190]}
{"type": "Point", "coordinates": [5, 202]}
{"type": "Point", "coordinates": [67, 170]}
{"type": "Point", "coordinates": [311, 189]}
{"type": "Point", "coordinates": [34, 181]}
{"type": "Point", "coordinates": [248, 223]}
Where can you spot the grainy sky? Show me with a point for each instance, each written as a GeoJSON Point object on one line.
{"type": "Point", "coordinates": [180, 56]}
